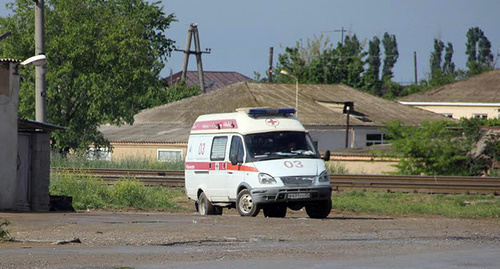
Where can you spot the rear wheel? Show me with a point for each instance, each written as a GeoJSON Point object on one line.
{"type": "Point", "coordinates": [245, 204]}
{"type": "Point", "coordinates": [205, 207]}
{"type": "Point", "coordinates": [275, 211]}
{"type": "Point", "coordinates": [319, 210]}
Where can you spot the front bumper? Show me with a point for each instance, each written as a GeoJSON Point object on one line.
{"type": "Point", "coordinates": [284, 194]}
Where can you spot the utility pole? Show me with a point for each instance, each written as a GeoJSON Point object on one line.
{"type": "Point", "coordinates": [415, 63]}
{"type": "Point", "coordinates": [270, 69]}
{"type": "Point", "coordinates": [193, 33]}
{"type": "Point", "coordinates": [40, 81]}
{"type": "Point", "coordinates": [342, 31]}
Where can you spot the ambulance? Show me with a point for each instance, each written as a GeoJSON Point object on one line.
{"type": "Point", "coordinates": [253, 159]}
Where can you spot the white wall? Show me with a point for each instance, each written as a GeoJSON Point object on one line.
{"type": "Point", "coordinates": [9, 98]}
{"type": "Point", "coordinates": [329, 139]}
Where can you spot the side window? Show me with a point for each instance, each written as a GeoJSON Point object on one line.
{"type": "Point", "coordinates": [218, 152]}
{"type": "Point", "coordinates": [237, 149]}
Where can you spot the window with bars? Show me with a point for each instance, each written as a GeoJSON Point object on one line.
{"type": "Point", "coordinates": [169, 155]}
{"type": "Point", "coordinates": [218, 152]}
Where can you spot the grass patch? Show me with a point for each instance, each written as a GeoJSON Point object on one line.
{"type": "Point", "coordinates": [336, 168]}
{"type": "Point", "coordinates": [80, 160]}
{"type": "Point", "coordinates": [90, 192]}
{"type": "Point", "coordinates": [4, 233]}
{"type": "Point", "coordinates": [455, 206]}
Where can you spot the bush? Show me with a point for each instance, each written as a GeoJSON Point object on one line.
{"type": "Point", "coordinates": [4, 234]}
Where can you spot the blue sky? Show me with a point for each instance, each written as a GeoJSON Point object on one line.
{"type": "Point", "coordinates": [241, 32]}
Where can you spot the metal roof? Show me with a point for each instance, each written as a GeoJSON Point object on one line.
{"type": "Point", "coordinates": [25, 125]}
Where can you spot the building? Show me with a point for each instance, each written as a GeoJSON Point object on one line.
{"type": "Point", "coordinates": [162, 132]}
{"type": "Point", "coordinates": [24, 150]}
{"type": "Point", "coordinates": [477, 96]}
{"type": "Point", "coordinates": [213, 79]}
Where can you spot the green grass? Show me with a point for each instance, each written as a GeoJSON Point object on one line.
{"type": "Point", "coordinates": [79, 160]}
{"type": "Point", "coordinates": [90, 192]}
{"type": "Point", "coordinates": [455, 206]}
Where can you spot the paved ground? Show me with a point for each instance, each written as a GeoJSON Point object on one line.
{"type": "Point", "coordinates": [184, 240]}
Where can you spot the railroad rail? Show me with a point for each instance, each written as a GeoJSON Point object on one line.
{"type": "Point", "coordinates": [387, 183]}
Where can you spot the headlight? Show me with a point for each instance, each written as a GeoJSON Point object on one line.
{"type": "Point", "coordinates": [266, 179]}
{"type": "Point", "coordinates": [324, 177]}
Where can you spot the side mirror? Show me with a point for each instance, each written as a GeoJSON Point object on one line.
{"type": "Point", "coordinates": [326, 157]}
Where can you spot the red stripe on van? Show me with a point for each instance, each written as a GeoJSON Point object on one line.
{"type": "Point", "coordinates": [215, 125]}
{"type": "Point", "coordinates": [245, 168]}
{"type": "Point", "coordinates": [218, 166]}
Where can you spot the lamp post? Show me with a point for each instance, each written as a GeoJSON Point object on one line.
{"type": "Point", "coordinates": [40, 81]}
{"type": "Point", "coordinates": [296, 90]}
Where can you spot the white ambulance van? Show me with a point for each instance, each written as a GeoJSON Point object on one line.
{"type": "Point", "coordinates": [253, 159]}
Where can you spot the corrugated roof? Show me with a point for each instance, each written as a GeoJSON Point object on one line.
{"type": "Point", "coordinates": [213, 79]}
{"type": "Point", "coordinates": [483, 88]}
{"type": "Point", "coordinates": [25, 125]}
{"type": "Point", "coordinates": [368, 110]}
{"type": "Point", "coordinates": [147, 133]}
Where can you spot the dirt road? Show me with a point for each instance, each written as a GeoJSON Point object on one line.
{"type": "Point", "coordinates": [185, 240]}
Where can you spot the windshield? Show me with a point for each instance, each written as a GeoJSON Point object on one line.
{"type": "Point", "coordinates": [278, 145]}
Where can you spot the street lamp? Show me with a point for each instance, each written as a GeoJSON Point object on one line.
{"type": "Point", "coordinates": [296, 90]}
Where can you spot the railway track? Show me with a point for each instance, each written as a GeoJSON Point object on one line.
{"type": "Point", "coordinates": [386, 183]}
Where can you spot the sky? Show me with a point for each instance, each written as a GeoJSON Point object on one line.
{"type": "Point", "coordinates": [240, 33]}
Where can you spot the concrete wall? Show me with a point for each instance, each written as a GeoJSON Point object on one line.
{"type": "Point", "coordinates": [9, 98]}
{"type": "Point", "coordinates": [144, 150]}
{"type": "Point", "coordinates": [363, 167]}
{"type": "Point", "coordinates": [40, 171]}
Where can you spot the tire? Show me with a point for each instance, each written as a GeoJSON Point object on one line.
{"type": "Point", "coordinates": [205, 207]}
{"type": "Point", "coordinates": [275, 211]}
{"type": "Point", "coordinates": [245, 205]}
{"type": "Point", "coordinates": [196, 207]}
{"type": "Point", "coordinates": [319, 210]}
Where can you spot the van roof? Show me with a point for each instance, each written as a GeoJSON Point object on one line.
{"type": "Point", "coordinates": [248, 121]}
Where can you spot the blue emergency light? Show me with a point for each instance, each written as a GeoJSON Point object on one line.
{"type": "Point", "coordinates": [270, 111]}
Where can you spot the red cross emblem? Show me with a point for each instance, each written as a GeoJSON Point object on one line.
{"type": "Point", "coordinates": [272, 122]}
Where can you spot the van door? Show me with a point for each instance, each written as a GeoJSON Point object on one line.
{"type": "Point", "coordinates": [235, 174]}
{"type": "Point", "coordinates": [217, 184]}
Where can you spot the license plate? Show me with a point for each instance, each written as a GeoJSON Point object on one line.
{"type": "Point", "coordinates": [298, 195]}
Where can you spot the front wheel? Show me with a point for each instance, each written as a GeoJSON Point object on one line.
{"type": "Point", "coordinates": [319, 210]}
{"type": "Point", "coordinates": [245, 204]}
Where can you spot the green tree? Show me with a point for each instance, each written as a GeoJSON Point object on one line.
{"type": "Point", "coordinates": [444, 148]}
{"type": "Point", "coordinates": [445, 73]}
{"type": "Point", "coordinates": [104, 61]}
{"type": "Point", "coordinates": [449, 66]}
{"type": "Point", "coordinates": [318, 62]}
{"type": "Point", "coordinates": [478, 50]}
{"type": "Point", "coordinates": [436, 57]}
{"type": "Point", "coordinates": [391, 55]}
{"type": "Point", "coordinates": [371, 76]}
